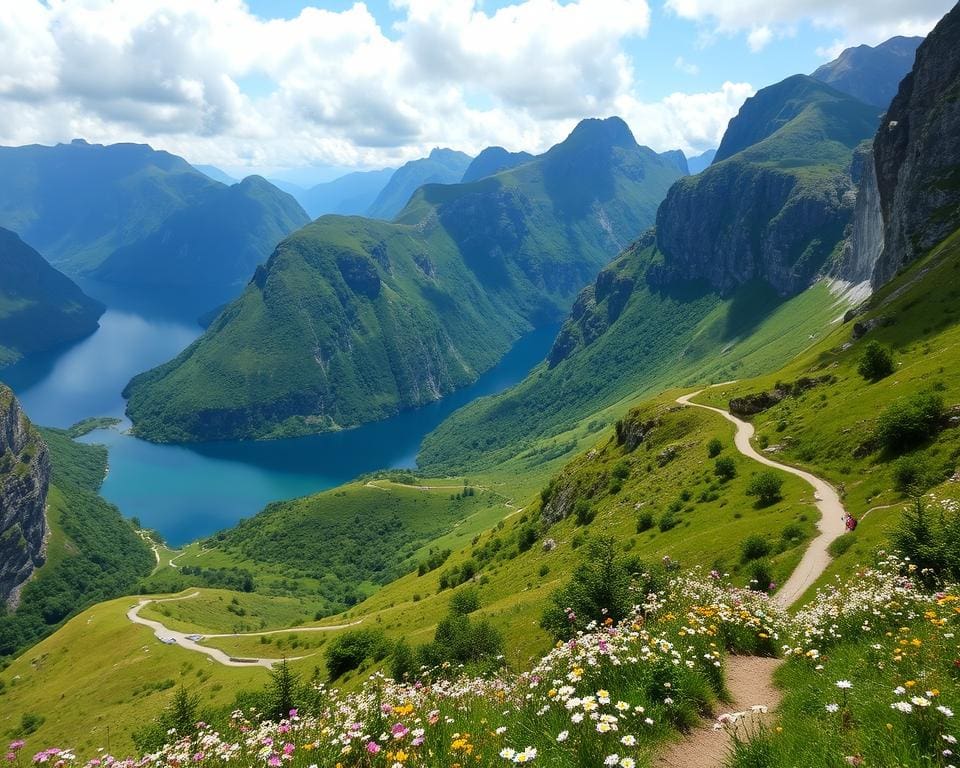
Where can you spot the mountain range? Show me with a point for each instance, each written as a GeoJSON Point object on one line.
{"type": "Point", "coordinates": [353, 319]}
{"type": "Point", "coordinates": [128, 213]}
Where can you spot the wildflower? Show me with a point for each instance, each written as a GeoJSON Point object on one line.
{"type": "Point", "coordinates": [832, 708]}
{"type": "Point", "coordinates": [629, 741]}
{"type": "Point", "coordinates": [945, 711]}
{"type": "Point", "coordinates": [508, 754]}
{"type": "Point", "coordinates": [627, 762]}
{"type": "Point", "coordinates": [501, 730]}
{"type": "Point", "coordinates": [902, 706]}
{"type": "Point", "coordinates": [526, 756]}
{"type": "Point", "coordinates": [373, 747]}
{"type": "Point", "coordinates": [844, 684]}
{"type": "Point", "coordinates": [899, 690]}
{"type": "Point", "coordinates": [563, 736]}
{"type": "Point", "coordinates": [919, 701]}
{"type": "Point", "coordinates": [611, 759]}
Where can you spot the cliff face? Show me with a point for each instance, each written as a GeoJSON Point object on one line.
{"type": "Point", "coordinates": [917, 153]}
{"type": "Point", "coordinates": [24, 479]}
{"type": "Point", "coordinates": [864, 244]}
{"type": "Point", "coordinates": [775, 202]}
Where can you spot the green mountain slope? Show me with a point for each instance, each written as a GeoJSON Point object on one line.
{"type": "Point", "coordinates": [202, 244]}
{"type": "Point", "coordinates": [40, 308]}
{"type": "Point", "coordinates": [349, 195]}
{"type": "Point", "coordinates": [731, 244]}
{"type": "Point", "coordinates": [491, 161]}
{"type": "Point", "coordinates": [353, 319]}
{"type": "Point", "coordinates": [442, 166]}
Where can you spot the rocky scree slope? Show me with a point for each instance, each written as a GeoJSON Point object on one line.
{"type": "Point", "coordinates": [24, 480]}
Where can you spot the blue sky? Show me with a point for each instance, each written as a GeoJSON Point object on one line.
{"type": "Point", "coordinates": [304, 89]}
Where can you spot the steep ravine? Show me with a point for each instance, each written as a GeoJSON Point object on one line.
{"type": "Point", "coordinates": [24, 479]}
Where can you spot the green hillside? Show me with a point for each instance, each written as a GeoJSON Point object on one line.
{"type": "Point", "coordinates": [354, 319]}
{"type": "Point", "coordinates": [707, 296]}
{"type": "Point", "coordinates": [40, 308]}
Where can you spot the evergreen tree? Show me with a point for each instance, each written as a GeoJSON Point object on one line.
{"type": "Point", "coordinates": [282, 690]}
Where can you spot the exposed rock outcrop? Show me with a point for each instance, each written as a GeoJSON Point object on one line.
{"type": "Point", "coordinates": [24, 479]}
{"type": "Point", "coordinates": [863, 247]}
{"type": "Point", "coordinates": [917, 153]}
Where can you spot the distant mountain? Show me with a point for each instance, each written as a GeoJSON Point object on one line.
{"type": "Point", "coordinates": [40, 308]}
{"type": "Point", "coordinates": [353, 319]}
{"type": "Point", "coordinates": [492, 160]}
{"type": "Point", "coordinates": [218, 241]}
{"type": "Point", "coordinates": [871, 74]}
{"type": "Point", "coordinates": [348, 195]}
{"type": "Point", "coordinates": [128, 213]}
{"type": "Point", "coordinates": [730, 244]}
{"type": "Point", "coordinates": [211, 171]}
{"type": "Point", "coordinates": [679, 159]}
{"type": "Point", "coordinates": [699, 162]}
{"type": "Point", "coordinates": [443, 166]}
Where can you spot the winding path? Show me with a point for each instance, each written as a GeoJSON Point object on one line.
{"type": "Point", "coordinates": [750, 678]}
{"type": "Point", "coordinates": [830, 525]}
{"type": "Point", "coordinates": [182, 639]}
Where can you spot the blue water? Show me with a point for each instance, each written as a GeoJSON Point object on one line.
{"type": "Point", "coordinates": [190, 491]}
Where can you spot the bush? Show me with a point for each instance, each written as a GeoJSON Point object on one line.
{"type": "Point", "coordinates": [910, 421]}
{"type": "Point", "coordinates": [601, 588]}
{"type": "Point", "coordinates": [754, 547]}
{"type": "Point", "coordinates": [645, 521]}
{"type": "Point", "coordinates": [876, 362]}
{"type": "Point", "coordinates": [349, 650]}
{"type": "Point", "coordinates": [725, 468]}
{"type": "Point", "coordinates": [459, 640]}
{"type": "Point", "coordinates": [403, 665]}
{"type": "Point", "coordinates": [30, 722]}
{"type": "Point", "coordinates": [668, 520]}
{"type": "Point", "coordinates": [526, 538]}
{"type": "Point", "coordinates": [766, 486]}
{"type": "Point", "coordinates": [584, 512]}
{"type": "Point", "coordinates": [714, 447]}
{"type": "Point", "coordinates": [761, 577]}
{"type": "Point", "coordinates": [931, 541]}
{"type": "Point", "coordinates": [913, 474]}
{"type": "Point", "coordinates": [465, 601]}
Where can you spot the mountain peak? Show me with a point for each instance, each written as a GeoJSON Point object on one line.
{"type": "Point", "coordinates": [612, 131]}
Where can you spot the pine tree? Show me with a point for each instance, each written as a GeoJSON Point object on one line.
{"type": "Point", "coordinates": [181, 715]}
{"type": "Point", "coordinates": [283, 689]}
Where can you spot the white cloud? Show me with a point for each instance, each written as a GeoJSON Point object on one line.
{"type": "Point", "coordinates": [759, 37]}
{"type": "Point", "coordinates": [333, 88]}
{"type": "Point", "coordinates": [687, 67]}
{"type": "Point", "coordinates": [858, 22]}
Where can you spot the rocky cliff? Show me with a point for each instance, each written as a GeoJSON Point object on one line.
{"type": "Point", "coordinates": [917, 153]}
{"type": "Point", "coordinates": [24, 479]}
{"type": "Point", "coordinates": [777, 199]}
{"type": "Point", "coordinates": [864, 242]}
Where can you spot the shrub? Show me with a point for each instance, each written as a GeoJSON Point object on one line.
{"type": "Point", "coordinates": [754, 547]}
{"type": "Point", "coordinates": [876, 362]}
{"type": "Point", "coordinates": [599, 589]}
{"type": "Point", "coordinates": [668, 520]}
{"type": "Point", "coordinates": [526, 538]}
{"type": "Point", "coordinates": [793, 532]}
{"type": "Point", "coordinates": [30, 722]}
{"type": "Point", "coordinates": [912, 474]}
{"type": "Point", "coordinates": [584, 512]}
{"type": "Point", "coordinates": [910, 421]}
{"type": "Point", "coordinates": [462, 641]}
{"type": "Point", "coordinates": [714, 447]}
{"type": "Point", "coordinates": [645, 521]}
{"type": "Point", "coordinates": [761, 577]}
{"type": "Point", "coordinates": [931, 541]}
{"type": "Point", "coordinates": [349, 650]}
{"type": "Point", "coordinates": [725, 468]}
{"type": "Point", "coordinates": [403, 665]}
{"type": "Point", "coordinates": [465, 601]}
{"type": "Point", "coordinates": [766, 486]}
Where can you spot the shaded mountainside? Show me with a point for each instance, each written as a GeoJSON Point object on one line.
{"type": "Point", "coordinates": [203, 243]}
{"type": "Point", "coordinates": [24, 480]}
{"type": "Point", "coordinates": [871, 74]}
{"type": "Point", "coordinates": [40, 308]}
{"type": "Point", "coordinates": [491, 161]}
{"type": "Point", "coordinates": [442, 166]}
{"type": "Point", "coordinates": [354, 319]}
{"type": "Point", "coordinates": [135, 211]}
{"type": "Point", "coordinates": [917, 155]}
{"type": "Point", "coordinates": [349, 195]}
{"type": "Point", "coordinates": [699, 162]}
{"type": "Point", "coordinates": [701, 295]}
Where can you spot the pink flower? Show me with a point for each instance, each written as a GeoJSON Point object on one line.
{"type": "Point", "coordinates": [273, 761]}
{"type": "Point", "coordinates": [399, 731]}
{"type": "Point", "coordinates": [373, 747]}
{"type": "Point", "coordinates": [17, 745]}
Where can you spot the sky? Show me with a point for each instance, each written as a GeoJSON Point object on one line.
{"type": "Point", "coordinates": [303, 89]}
